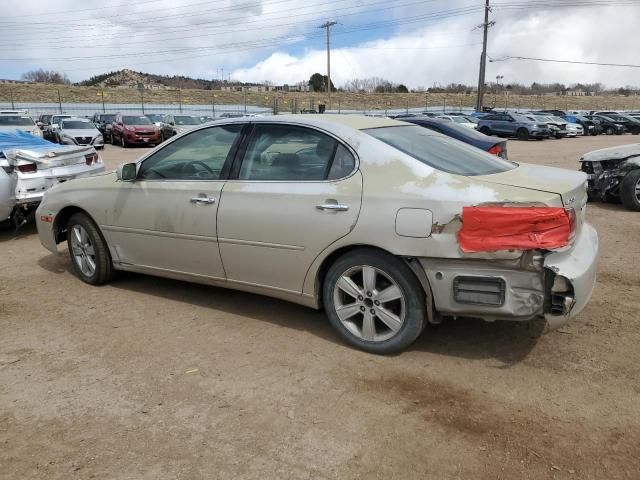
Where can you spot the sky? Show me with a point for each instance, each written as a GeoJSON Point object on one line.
{"type": "Point", "coordinates": [418, 43]}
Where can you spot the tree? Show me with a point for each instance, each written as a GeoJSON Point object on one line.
{"type": "Point", "coordinates": [318, 83]}
{"type": "Point", "coordinates": [46, 76]}
{"type": "Point", "coordinates": [402, 89]}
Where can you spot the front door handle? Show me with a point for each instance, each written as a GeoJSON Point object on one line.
{"type": "Point", "coordinates": [203, 199]}
{"type": "Point", "coordinates": [334, 207]}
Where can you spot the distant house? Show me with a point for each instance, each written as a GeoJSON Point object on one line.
{"type": "Point", "coordinates": [575, 92]}
{"type": "Point", "coordinates": [265, 88]}
{"type": "Point", "coordinates": [7, 81]}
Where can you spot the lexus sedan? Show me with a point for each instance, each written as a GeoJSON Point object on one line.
{"type": "Point", "coordinates": [386, 225]}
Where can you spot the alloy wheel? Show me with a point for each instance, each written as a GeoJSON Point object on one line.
{"type": "Point", "coordinates": [83, 251]}
{"type": "Point", "coordinates": [637, 189]}
{"type": "Point", "coordinates": [369, 303]}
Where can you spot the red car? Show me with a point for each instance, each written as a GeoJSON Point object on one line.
{"type": "Point", "coordinates": [130, 129]}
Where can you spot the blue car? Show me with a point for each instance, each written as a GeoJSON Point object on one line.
{"type": "Point", "coordinates": [513, 125]}
{"type": "Point", "coordinates": [467, 135]}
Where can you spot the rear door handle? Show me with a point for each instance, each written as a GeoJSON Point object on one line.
{"type": "Point", "coordinates": [335, 207]}
{"type": "Point", "coordinates": [203, 199]}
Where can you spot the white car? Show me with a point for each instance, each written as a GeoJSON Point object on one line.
{"type": "Point", "coordinates": [386, 225]}
{"type": "Point", "coordinates": [18, 121]}
{"type": "Point", "coordinates": [31, 166]}
{"type": "Point", "coordinates": [574, 130]}
{"type": "Point", "coordinates": [80, 131]}
{"type": "Point", "coordinates": [459, 119]}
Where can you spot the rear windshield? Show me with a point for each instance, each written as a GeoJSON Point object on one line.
{"type": "Point", "coordinates": [186, 120]}
{"type": "Point", "coordinates": [15, 120]}
{"type": "Point", "coordinates": [154, 117]}
{"type": "Point", "coordinates": [107, 118]}
{"type": "Point", "coordinates": [76, 125]}
{"type": "Point", "coordinates": [439, 151]}
{"type": "Point", "coordinates": [137, 120]}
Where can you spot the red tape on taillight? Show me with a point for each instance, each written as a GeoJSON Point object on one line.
{"type": "Point", "coordinates": [489, 229]}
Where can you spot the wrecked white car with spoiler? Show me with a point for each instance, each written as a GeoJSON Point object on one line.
{"type": "Point", "coordinates": [32, 165]}
{"type": "Point", "coordinates": [386, 225]}
{"type": "Point", "coordinates": [614, 174]}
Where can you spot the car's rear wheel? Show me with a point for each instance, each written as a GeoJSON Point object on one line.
{"type": "Point", "coordinates": [123, 141]}
{"type": "Point", "coordinates": [630, 190]}
{"type": "Point", "coordinates": [485, 130]}
{"type": "Point", "coordinates": [113, 140]}
{"type": "Point", "coordinates": [522, 134]}
{"type": "Point", "coordinates": [89, 252]}
{"type": "Point", "coordinates": [374, 301]}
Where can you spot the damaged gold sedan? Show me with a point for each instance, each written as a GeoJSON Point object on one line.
{"type": "Point", "coordinates": [384, 224]}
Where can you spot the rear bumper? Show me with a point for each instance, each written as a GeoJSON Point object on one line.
{"type": "Point", "coordinates": [578, 266]}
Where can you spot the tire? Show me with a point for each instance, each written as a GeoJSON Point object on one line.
{"type": "Point", "coordinates": [630, 190]}
{"type": "Point", "coordinates": [405, 310]}
{"type": "Point", "coordinates": [522, 134]}
{"type": "Point", "coordinates": [609, 131]}
{"type": "Point", "coordinates": [113, 140]}
{"type": "Point", "coordinates": [485, 130]}
{"type": "Point", "coordinates": [123, 141]}
{"type": "Point", "coordinates": [86, 247]}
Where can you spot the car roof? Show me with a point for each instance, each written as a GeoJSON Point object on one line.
{"type": "Point", "coordinates": [357, 122]}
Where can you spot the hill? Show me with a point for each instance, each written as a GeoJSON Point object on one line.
{"type": "Point", "coordinates": [131, 79]}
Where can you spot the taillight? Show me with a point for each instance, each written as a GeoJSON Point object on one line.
{"type": "Point", "coordinates": [495, 150]}
{"type": "Point", "coordinates": [493, 228]}
{"type": "Point", "coordinates": [27, 168]}
{"type": "Point", "coordinates": [91, 158]}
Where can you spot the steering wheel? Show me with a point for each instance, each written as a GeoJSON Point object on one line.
{"type": "Point", "coordinates": [195, 162]}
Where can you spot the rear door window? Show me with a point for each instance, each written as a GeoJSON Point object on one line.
{"type": "Point", "coordinates": [294, 153]}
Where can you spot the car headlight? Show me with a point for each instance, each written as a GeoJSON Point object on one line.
{"type": "Point", "coordinates": [36, 132]}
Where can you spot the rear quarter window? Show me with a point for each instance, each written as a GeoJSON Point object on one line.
{"type": "Point", "coordinates": [440, 152]}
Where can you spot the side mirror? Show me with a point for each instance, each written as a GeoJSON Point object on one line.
{"type": "Point", "coordinates": [126, 172]}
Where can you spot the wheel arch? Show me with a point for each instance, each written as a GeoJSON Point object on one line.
{"type": "Point", "coordinates": [414, 266]}
{"type": "Point", "coordinates": [62, 218]}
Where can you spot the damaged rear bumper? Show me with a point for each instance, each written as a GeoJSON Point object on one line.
{"type": "Point", "coordinates": [556, 285]}
{"type": "Point", "coordinates": [575, 269]}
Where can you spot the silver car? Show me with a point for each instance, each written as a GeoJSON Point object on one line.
{"type": "Point", "coordinates": [80, 131]}
{"type": "Point", "coordinates": [386, 225]}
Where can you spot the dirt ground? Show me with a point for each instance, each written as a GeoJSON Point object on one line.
{"type": "Point", "coordinates": [149, 378]}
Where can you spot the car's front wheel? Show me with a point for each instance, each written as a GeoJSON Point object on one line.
{"type": "Point", "coordinates": [374, 301]}
{"type": "Point", "coordinates": [88, 250]}
{"type": "Point", "coordinates": [630, 190]}
{"type": "Point", "coordinates": [522, 134]}
{"type": "Point", "coordinates": [485, 130]}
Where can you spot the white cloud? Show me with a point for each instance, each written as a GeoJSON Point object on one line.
{"type": "Point", "coordinates": [207, 36]}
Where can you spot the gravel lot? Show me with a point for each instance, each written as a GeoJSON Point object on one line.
{"type": "Point", "coordinates": [149, 378]}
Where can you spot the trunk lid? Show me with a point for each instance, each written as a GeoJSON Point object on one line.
{"type": "Point", "coordinates": [569, 185]}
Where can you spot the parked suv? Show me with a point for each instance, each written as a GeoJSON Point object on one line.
{"type": "Point", "coordinates": [103, 122]}
{"type": "Point", "coordinates": [630, 124]}
{"type": "Point", "coordinates": [130, 129]}
{"type": "Point", "coordinates": [514, 125]}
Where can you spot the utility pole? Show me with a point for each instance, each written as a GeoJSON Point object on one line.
{"type": "Point", "coordinates": [483, 57]}
{"type": "Point", "coordinates": [327, 25]}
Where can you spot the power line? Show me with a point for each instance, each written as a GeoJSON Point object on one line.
{"type": "Point", "coordinates": [564, 61]}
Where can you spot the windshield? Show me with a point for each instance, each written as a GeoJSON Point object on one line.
{"type": "Point", "coordinates": [186, 120]}
{"type": "Point", "coordinates": [56, 118]}
{"type": "Point", "coordinates": [45, 118]}
{"type": "Point", "coordinates": [76, 125]}
{"type": "Point", "coordinates": [154, 117]}
{"type": "Point", "coordinates": [439, 151]}
{"type": "Point", "coordinates": [15, 120]}
{"type": "Point", "coordinates": [135, 120]}
{"type": "Point", "coordinates": [107, 118]}
{"type": "Point", "coordinates": [472, 119]}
